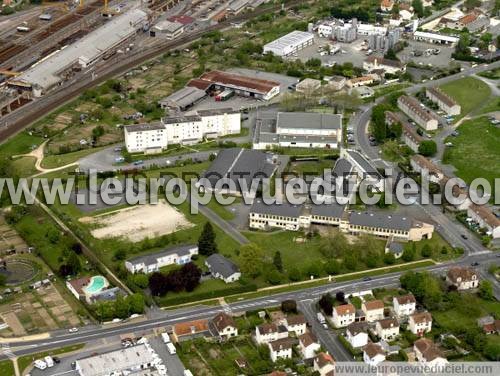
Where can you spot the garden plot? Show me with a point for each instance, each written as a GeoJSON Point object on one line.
{"type": "Point", "coordinates": [138, 222]}
{"type": "Point", "coordinates": [9, 239]}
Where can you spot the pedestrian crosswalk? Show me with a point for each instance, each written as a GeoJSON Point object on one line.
{"type": "Point", "coordinates": [7, 351]}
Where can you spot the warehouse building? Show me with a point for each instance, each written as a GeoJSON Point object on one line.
{"type": "Point", "coordinates": [290, 43]}
{"type": "Point", "coordinates": [120, 362]}
{"type": "Point", "coordinates": [422, 115]}
{"type": "Point", "coordinates": [435, 38]}
{"type": "Point", "coordinates": [298, 129]}
{"type": "Point", "coordinates": [443, 100]}
{"type": "Point", "coordinates": [182, 99]}
{"type": "Point", "coordinates": [167, 29]}
{"type": "Point", "coordinates": [48, 73]}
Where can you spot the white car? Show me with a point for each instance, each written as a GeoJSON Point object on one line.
{"type": "Point", "coordinates": [49, 361]}
{"type": "Point", "coordinates": [73, 330]}
{"type": "Point", "coordinates": [40, 364]}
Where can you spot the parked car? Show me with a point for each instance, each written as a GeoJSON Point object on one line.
{"type": "Point", "coordinates": [73, 330]}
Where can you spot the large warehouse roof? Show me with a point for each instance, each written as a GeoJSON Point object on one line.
{"type": "Point", "coordinates": [295, 38]}
{"type": "Point", "coordinates": [239, 82]}
{"type": "Point", "coordinates": [89, 48]}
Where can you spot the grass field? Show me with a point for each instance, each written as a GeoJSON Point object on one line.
{"type": "Point", "coordinates": [6, 368]}
{"type": "Point", "coordinates": [461, 91]}
{"type": "Point", "coordinates": [474, 151]}
{"type": "Point", "coordinates": [58, 160]}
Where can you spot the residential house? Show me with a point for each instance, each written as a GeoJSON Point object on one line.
{"type": "Point", "coordinates": [387, 329]}
{"type": "Point", "coordinates": [428, 353]}
{"type": "Point", "coordinates": [409, 134]}
{"type": "Point", "coordinates": [223, 326]}
{"type": "Point", "coordinates": [296, 324]}
{"type": "Point", "coordinates": [386, 5]}
{"type": "Point", "coordinates": [281, 348]}
{"type": "Point", "coordinates": [373, 309]}
{"type": "Point", "coordinates": [153, 262]}
{"type": "Point", "coordinates": [222, 268]}
{"type": "Point", "coordinates": [422, 115]}
{"type": "Point", "coordinates": [266, 333]}
{"type": "Point", "coordinates": [188, 330]}
{"type": "Point", "coordinates": [308, 86]}
{"type": "Point", "coordinates": [404, 305]}
{"type": "Point", "coordinates": [308, 345]}
{"type": "Point", "coordinates": [423, 165]}
{"type": "Point", "coordinates": [420, 323]}
{"type": "Point", "coordinates": [360, 81]}
{"type": "Point", "coordinates": [396, 248]}
{"type": "Point", "coordinates": [343, 315]}
{"type": "Point", "coordinates": [462, 278]}
{"type": "Point", "coordinates": [406, 11]}
{"type": "Point", "coordinates": [486, 219]}
{"type": "Point", "coordinates": [489, 325]}
{"type": "Point", "coordinates": [474, 22]}
{"type": "Point", "coordinates": [357, 334]}
{"type": "Point", "coordinates": [373, 354]}
{"type": "Point", "coordinates": [337, 82]}
{"type": "Point", "coordinates": [443, 100]}
{"type": "Point", "coordinates": [388, 66]}
{"type": "Point", "coordinates": [324, 364]}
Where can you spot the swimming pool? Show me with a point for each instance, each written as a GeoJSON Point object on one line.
{"type": "Point", "coordinates": [96, 284]}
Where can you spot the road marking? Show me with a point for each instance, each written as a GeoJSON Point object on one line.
{"type": "Point", "coordinates": [7, 351]}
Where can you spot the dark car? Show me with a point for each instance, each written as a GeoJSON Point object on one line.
{"type": "Point", "coordinates": [56, 359]}
{"type": "Point", "coordinates": [464, 236]}
{"type": "Point", "coordinates": [367, 279]}
{"type": "Point", "coordinates": [475, 263]}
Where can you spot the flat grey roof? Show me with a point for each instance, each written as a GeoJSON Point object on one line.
{"type": "Point", "coordinates": [184, 97]}
{"type": "Point", "coordinates": [294, 38]}
{"type": "Point", "coordinates": [217, 111]}
{"type": "Point", "coordinates": [221, 265]}
{"type": "Point", "coordinates": [168, 26]}
{"type": "Point", "coordinates": [307, 138]}
{"type": "Point", "coordinates": [238, 163]}
{"type": "Point", "coordinates": [115, 361]}
{"type": "Point", "coordinates": [342, 168]}
{"type": "Point", "coordinates": [332, 210]}
{"type": "Point", "coordinates": [153, 257]}
{"type": "Point", "coordinates": [379, 220]}
{"type": "Point", "coordinates": [236, 5]}
{"type": "Point", "coordinates": [89, 48]}
{"type": "Point", "coordinates": [181, 119]}
{"type": "Point", "coordinates": [144, 127]}
{"type": "Point", "coordinates": [368, 168]}
{"type": "Point", "coordinates": [309, 120]}
{"type": "Point", "coordinates": [285, 209]}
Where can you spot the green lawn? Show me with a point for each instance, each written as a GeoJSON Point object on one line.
{"type": "Point", "coordinates": [19, 144]}
{"type": "Point", "coordinates": [469, 92]}
{"type": "Point", "coordinates": [58, 160]}
{"type": "Point", "coordinates": [310, 168]}
{"type": "Point", "coordinates": [25, 166]}
{"type": "Point", "coordinates": [25, 361]}
{"type": "Point", "coordinates": [492, 74]}
{"type": "Point", "coordinates": [6, 368]}
{"type": "Point", "coordinates": [476, 150]}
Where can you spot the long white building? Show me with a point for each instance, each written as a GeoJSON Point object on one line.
{"type": "Point", "coordinates": [290, 43]}
{"type": "Point", "coordinates": [185, 130]}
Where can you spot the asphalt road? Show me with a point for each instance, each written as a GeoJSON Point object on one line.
{"type": "Point", "coordinates": [304, 296]}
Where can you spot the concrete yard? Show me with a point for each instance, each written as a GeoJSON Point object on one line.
{"type": "Point", "coordinates": [139, 222]}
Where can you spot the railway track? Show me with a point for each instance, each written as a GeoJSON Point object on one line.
{"type": "Point", "coordinates": [15, 122]}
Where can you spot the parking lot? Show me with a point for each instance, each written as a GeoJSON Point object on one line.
{"type": "Point", "coordinates": [440, 60]}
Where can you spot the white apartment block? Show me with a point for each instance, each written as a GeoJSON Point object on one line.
{"type": "Point", "coordinates": [184, 130]}
{"type": "Point", "coordinates": [343, 315]}
{"type": "Point", "coordinates": [146, 138]}
{"type": "Point", "coordinates": [422, 115]}
{"type": "Point", "coordinates": [404, 305]}
{"type": "Point", "coordinates": [443, 100]}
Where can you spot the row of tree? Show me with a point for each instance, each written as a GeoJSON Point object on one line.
{"type": "Point", "coordinates": [187, 278]}
{"type": "Point", "coordinates": [121, 308]}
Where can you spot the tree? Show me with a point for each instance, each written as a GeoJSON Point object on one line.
{"type": "Point", "coordinates": [340, 297]}
{"type": "Point", "coordinates": [3, 279]}
{"type": "Point", "coordinates": [191, 276]}
{"type": "Point", "coordinates": [74, 263]}
{"type": "Point", "coordinates": [426, 250]}
{"type": "Point", "coordinates": [409, 253]}
{"type": "Point", "coordinates": [135, 303]}
{"type": "Point", "coordinates": [121, 308]}
{"type": "Point", "coordinates": [391, 54]}
{"type": "Point", "coordinates": [289, 306]}
{"type": "Point", "coordinates": [471, 4]}
{"type": "Point", "coordinates": [140, 280]}
{"type": "Point", "coordinates": [206, 242]}
{"type": "Point", "coordinates": [334, 245]}
{"type": "Point", "coordinates": [120, 254]}
{"type": "Point", "coordinates": [251, 256]}
{"type": "Point", "coordinates": [326, 304]}
{"type": "Point", "coordinates": [158, 284]}
{"type": "Point", "coordinates": [294, 275]}
{"type": "Point", "coordinates": [389, 258]}
{"type": "Point", "coordinates": [350, 262]}
{"type": "Point", "coordinates": [486, 290]}
{"type": "Point", "coordinates": [418, 7]}
{"type": "Point", "coordinates": [273, 277]}
{"type": "Point", "coordinates": [424, 286]}
{"type": "Point", "coordinates": [77, 248]}
{"type": "Point", "coordinates": [278, 263]}
{"type": "Point", "coordinates": [332, 267]}
{"type": "Point", "coordinates": [313, 270]}
{"type": "Point", "coordinates": [427, 148]}
{"type": "Point", "coordinates": [378, 124]}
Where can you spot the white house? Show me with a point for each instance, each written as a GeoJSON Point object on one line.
{"type": "Point", "coordinates": [388, 66]}
{"type": "Point", "coordinates": [343, 315]}
{"type": "Point", "coordinates": [404, 305]}
{"type": "Point", "coordinates": [386, 5]}
{"type": "Point", "coordinates": [373, 354]}
{"type": "Point", "coordinates": [427, 352]}
{"type": "Point", "coordinates": [296, 324]}
{"type": "Point", "coordinates": [223, 326]}
{"type": "Point", "coordinates": [153, 262]}
{"type": "Point", "coordinates": [266, 333]}
{"type": "Point", "coordinates": [420, 323]}
{"type": "Point", "coordinates": [290, 44]}
{"type": "Point", "coordinates": [281, 349]}
{"type": "Point", "coordinates": [324, 364]}
{"type": "Point", "coordinates": [462, 278]}
{"type": "Point", "coordinates": [357, 334]}
{"type": "Point", "coordinates": [308, 345]}
{"type": "Point", "coordinates": [223, 268]}
{"type": "Point", "coordinates": [387, 329]}
{"type": "Point", "coordinates": [373, 309]}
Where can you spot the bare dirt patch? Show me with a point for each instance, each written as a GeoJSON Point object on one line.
{"type": "Point", "coordinates": [138, 222]}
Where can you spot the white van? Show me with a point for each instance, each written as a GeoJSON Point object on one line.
{"type": "Point", "coordinates": [187, 373]}
{"type": "Point", "coordinates": [40, 364]}
{"type": "Point", "coordinates": [166, 338]}
{"type": "Point", "coordinates": [49, 361]}
{"type": "Point", "coordinates": [171, 348]}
